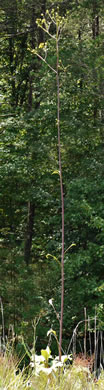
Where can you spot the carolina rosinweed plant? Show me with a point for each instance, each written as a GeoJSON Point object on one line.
{"type": "Point", "coordinates": [45, 24]}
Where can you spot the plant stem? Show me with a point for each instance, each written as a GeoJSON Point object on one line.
{"type": "Point", "coordinates": [60, 172]}
{"type": "Point", "coordinates": [62, 193]}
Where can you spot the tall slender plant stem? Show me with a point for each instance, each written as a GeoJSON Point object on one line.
{"type": "Point", "coordinates": [62, 193]}
{"type": "Point", "coordinates": [58, 29]}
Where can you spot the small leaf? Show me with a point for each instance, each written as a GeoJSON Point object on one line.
{"type": "Point", "coordinates": [51, 331]}
{"type": "Point", "coordinates": [69, 247]}
{"type": "Point", "coordinates": [53, 257]}
{"type": "Point", "coordinates": [46, 353]}
{"type": "Point", "coordinates": [56, 172]}
{"type": "Point", "coordinates": [41, 45]}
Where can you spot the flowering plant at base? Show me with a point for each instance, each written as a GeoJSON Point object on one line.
{"type": "Point", "coordinates": [46, 363]}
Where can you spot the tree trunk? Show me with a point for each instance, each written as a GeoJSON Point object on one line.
{"type": "Point", "coordinates": [95, 33]}
{"type": "Point", "coordinates": [31, 205]}
{"type": "Point", "coordinates": [29, 232]}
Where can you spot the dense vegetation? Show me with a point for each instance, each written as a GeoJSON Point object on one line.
{"type": "Point", "coordinates": [77, 377]}
{"type": "Point", "coordinates": [30, 204]}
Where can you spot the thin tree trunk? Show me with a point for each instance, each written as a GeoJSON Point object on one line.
{"type": "Point", "coordinates": [95, 34]}
{"type": "Point", "coordinates": [31, 205]}
{"type": "Point", "coordinates": [85, 334]}
{"type": "Point", "coordinates": [29, 232]}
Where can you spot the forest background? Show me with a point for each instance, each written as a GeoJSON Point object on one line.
{"type": "Point", "coordinates": [30, 203]}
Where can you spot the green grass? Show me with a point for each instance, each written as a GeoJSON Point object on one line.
{"type": "Point", "coordinates": [11, 377]}
{"type": "Point", "coordinates": [75, 378]}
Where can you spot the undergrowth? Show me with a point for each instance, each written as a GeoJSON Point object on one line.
{"type": "Point", "coordinates": [45, 372]}
{"type": "Point", "coordinates": [76, 377]}
{"type": "Point", "coordinates": [11, 377]}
